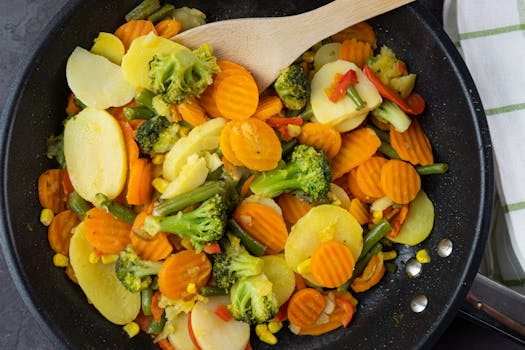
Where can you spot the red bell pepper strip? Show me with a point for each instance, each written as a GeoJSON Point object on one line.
{"type": "Point", "coordinates": [414, 104]}
{"type": "Point", "coordinates": [280, 121]}
{"type": "Point", "coordinates": [223, 312]}
{"type": "Point", "coordinates": [348, 79]}
{"type": "Point", "coordinates": [282, 314]}
{"type": "Point", "coordinates": [212, 248]}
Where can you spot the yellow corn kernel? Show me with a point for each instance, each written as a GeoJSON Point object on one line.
{"type": "Point", "coordinates": [132, 329]}
{"type": "Point", "coordinates": [158, 159]}
{"type": "Point", "coordinates": [108, 258]}
{"type": "Point", "coordinates": [191, 288]}
{"type": "Point", "coordinates": [390, 255]}
{"type": "Point", "coordinates": [94, 258]}
{"type": "Point", "coordinates": [260, 329]}
{"type": "Point", "coordinates": [160, 184]}
{"type": "Point", "coordinates": [377, 215]}
{"type": "Point", "coordinates": [274, 326]}
{"type": "Point", "coordinates": [60, 260]}
{"type": "Point", "coordinates": [422, 256]}
{"type": "Point", "coordinates": [46, 216]}
{"type": "Point", "coordinates": [265, 335]}
{"type": "Point", "coordinates": [304, 267]}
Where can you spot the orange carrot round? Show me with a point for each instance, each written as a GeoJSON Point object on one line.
{"type": "Point", "coordinates": [355, 51]}
{"type": "Point", "coordinates": [368, 176]}
{"type": "Point", "coordinates": [321, 136]}
{"type": "Point", "coordinates": [105, 232]}
{"type": "Point", "coordinates": [400, 181]}
{"type": "Point", "coordinates": [305, 307]}
{"type": "Point", "coordinates": [372, 274]}
{"type": "Point", "coordinates": [355, 190]}
{"type": "Point", "coordinates": [412, 145]}
{"type": "Point", "coordinates": [50, 192]}
{"type": "Point", "coordinates": [332, 264]}
{"type": "Point", "coordinates": [359, 211]}
{"type": "Point", "coordinates": [237, 96]}
{"type": "Point", "coordinates": [264, 224]}
{"type": "Point", "coordinates": [361, 31]}
{"type": "Point", "coordinates": [192, 112]}
{"type": "Point", "coordinates": [226, 146]}
{"type": "Point", "coordinates": [131, 30]}
{"type": "Point", "coordinates": [268, 106]}
{"type": "Point", "coordinates": [154, 249]}
{"type": "Point", "coordinates": [293, 207]}
{"type": "Point", "coordinates": [168, 28]}
{"type": "Point", "coordinates": [59, 232]}
{"type": "Point", "coordinates": [180, 270]}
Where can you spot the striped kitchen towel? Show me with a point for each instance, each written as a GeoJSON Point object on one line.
{"type": "Point", "coordinates": [491, 38]}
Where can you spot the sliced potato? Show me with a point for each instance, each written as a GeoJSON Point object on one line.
{"type": "Point", "coordinates": [322, 223]}
{"type": "Point", "coordinates": [212, 332]}
{"type": "Point", "coordinates": [95, 154]}
{"type": "Point", "coordinates": [204, 137]}
{"type": "Point", "coordinates": [419, 221]}
{"type": "Point", "coordinates": [350, 123]}
{"type": "Point", "coordinates": [96, 81]}
{"type": "Point", "coordinates": [100, 283]}
{"type": "Point", "coordinates": [180, 338]}
{"type": "Point", "coordinates": [135, 63]}
{"type": "Point", "coordinates": [326, 54]}
{"type": "Point", "coordinates": [330, 113]}
{"type": "Point", "coordinates": [281, 276]}
{"type": "Point", "coordinates": [109, 46]}
{"type": "Point", "coordinates": [192, 175]}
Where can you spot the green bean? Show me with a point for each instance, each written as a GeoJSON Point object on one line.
{"type": "Point", "coordinates": [212, 291]}
{"type": "Point", "coordinates": [156, 327]}
{"type": "Point", "coordinates": [287, 147]}
{"type": "Point", "coordinates": [252, 245]}
{"type": "Point", "coordinates": [145, 98]}
{"type": "Point", "coordinates": [138, 112]}
{"type": "Point", "coordinates": [120, 211]}
{"type": "Point", "coordinates": [436, 168]}
{"type": "Point", "coordinates": [383, 135]}
{"type": "Point", "coordinates": [143, 10]}
{"type": "Point", "coordinates": [164, 12]}
{"type": "Point", "coordinates": [374, 236]}
{"type": "Point", "coordinates": [146, 297]}
{"type": "Point", "coordinates": [355, 97]}
{"type": "Point", "coordinates": [77, 204]}
{"type": "Point", "coordinates": [388, 151]}
{"type": "Point", "coordinates": [364, 259]}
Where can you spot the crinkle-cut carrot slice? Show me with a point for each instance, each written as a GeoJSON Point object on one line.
{"type": "Point", "coordinates": [361, 31]}
{"type": "Point", "coordinates": [154, 249]}
{"type": "Point", "coordinates": [400, 181]}
{"type": "Point", "coordinates": [293, 207]}
{"type": "Point", "coordinates": [356, 147]}
{"type": "Point", "coordinates": [192, 112]}
{"type": "Point", "coordinates": [59, 232]}
{"type": "Point", "coordinates": [369, 176]}
{"type": "Point", "coordinates": [105, 232]}
{"type": "Point", "coordinates": [207, 101]}
{"type": "Point", "coordinates": [131, 30]}
{"type": "Point", "coordinates": [255, 144]}
{"type": "Point", "coordinates": [168, 28]}
{"type": "Point", "coordinates": [50, 191]}
{"type": "Point", "coordinates": [268, 107]}
{"type": "Point", "coordinates": [225, 144]}
{"type": "Point", "coordinates": [359, 210]}
{"type": "Point", "coordinates": [321, 136]}
{"type": "Point", "coordinates": [305, 307]}
{"type": "Point", "coordinates": [355, 51]}
{"type": "Point", "coordinates": [355, 190]}
{"type": "Point", "coordinates": [332, 264]}
{"type": "Point", "coordinates": [412, 145]}
{"type": "Point", "coordinates": [237, 96]}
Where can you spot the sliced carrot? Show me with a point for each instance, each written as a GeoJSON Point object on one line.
{"type": "Point", "coordinates": [356, 147]}
{"type": "Point", "coordinates": [175, 115]}
{"type": "Point", "coordinates": [156, 310]}
{"type": "Point", "coordinates": [412, 145]}
{"type": "Point", "coordinates": [139, 189]}
{"type": "Point", "coordinates": [182, 269]}
{"type": "Point", "coordinates": [226, 146]}
{"type": "Point", "coordinates": [355, 51]}
{"type": "Point", "coordinates": [105, 232]}
{"type": "Point", "coordinates": [355, 190]}
{"type": "Point", "coordinates": [237, 96]}
{"type": "Point", "coordinates": [245, 188]}
{"type": "Point", "coordinates": [400, 181]}
{"type": "Point", "coordinates": [59, 232]}
{"type": "Point", "coordinates": [293, 207]}
{"type": "Point", "coordinates": [361, 31]}
{"type": "Point", "coordinates": [305, 307]}
{"type": "Point", "coordinates": [131, 30]}
{"type": "Point", "coordinates": [72, 107]}
{"type": "Point", "coordinates": [268, 106]}
{"type": "Point", "coordinates": [154, 249]}
{"type": "Point", "coordinates": [132, 149]}
{"type": "Point", "coordinates": [332, 264]}
{"type": "Point", "coordinates": [372, 274]}
{"type": "Point", "coordinates": [398, 221]}
{"type": "Point", "coordinates": [168, 28]}
{"type": "Point", "coordinates": [321, 136]}
{"type": "Point", "coordinates": [255, 144]}
{"type": "Point", "coordinates": [264, 224]}
{"type": "Point", "coordinates": [359, 211]}
{"type": "Point", "coordinates": [207, 101]}
{"type": "Point", "coordinates": [192, 112]}
{"type": "Point", "coordinates": [50, 192]}
{"type": "Point", "coordinates": [368, 176]}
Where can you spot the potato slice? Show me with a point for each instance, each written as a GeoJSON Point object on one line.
{"type": "Point", "coordinates": [419, 221]}
{"type": "Point", "coordinates": [322, 223]}
{"type": "Point", "coordinates": [100, 283]}
{"type": "Point", "coordinates": [180, 338]}
{"type": "Point", "coordinates": [96, 81]}
{"type": "Point", "coordinates": [327, 112]}
{"type": "Point", "coordinates": [326, 54]}
{"type": "Point", "coordinates": [281, 276]}
{"type": "Point", "coordinates": [212, 332]}
{"type": "Point", "coordinates": [204, 137]}
{"type": "Point", "coordinates": [95, 154]}
{"type": "Point", "coordinates": [109, 46]}
{"type": "Point", "coordinates": [192, 175]}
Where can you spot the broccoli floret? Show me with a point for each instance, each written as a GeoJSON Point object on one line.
{"type": "Point", "coordinates": [293, 87]}
{"type": "Point", "coordinates": [157, 135]}
{"type": "Point", "coordinates": [308, 173]}
{"type": "Point", "coordinates": [202, 226]}
{"type": "Point", "coordinates": [55, 149]}
{"type": "Point", "coordinates": [234, 262]}
{"type": "Point", "coordinates": [183, 74]}
{"type": "Point", "coordinates": [253, 300]}
{"type": "Point", "coordinates": [132, 271]}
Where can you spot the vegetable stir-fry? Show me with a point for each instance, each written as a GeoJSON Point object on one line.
{"type": "Point", "coordinates": [193, 207]}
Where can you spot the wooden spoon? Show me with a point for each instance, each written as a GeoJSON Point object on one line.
{"type": "Point", "coordinates": [266, 45]}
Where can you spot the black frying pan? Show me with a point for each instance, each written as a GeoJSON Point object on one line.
{"type": "Point", "coordinates": [463, 197]}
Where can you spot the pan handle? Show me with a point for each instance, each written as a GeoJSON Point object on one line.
{"type": "Point", "coordinates": [496, 306]}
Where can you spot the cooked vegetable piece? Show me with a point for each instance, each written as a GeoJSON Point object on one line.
{"type": "Point", "coordinates": [189, 17]}
{"type": "Point", "coordinates": [281, 276]}
{"type": "Point", "coordinates": [355, 190]}
{"type": "Point", "coordinates": [105, 232]}
{"type": "Point", "coordinates": [373, 236]}
{"type": "Point", "coordinates": [60, 231]}
{"type": "Point", "coordinates": [50, 192]}
{"type": "Point", "coordinates": [133, 29]}
{"type": "Point", "coordinates": [389, 112]}
{"type": "Point", "coordinates": [77, 205]}
{"type": "Point", "coordinates": [359, 210]}
{"type": "Point", "coordinates": [400, 181]}
{"type": "Point", "coordinates": [355, 51]}
{"type": "Point", "coordinates": [192, 112]}
{"type": "Point", "coordinates": [268, 106]}
{"type": "Point", "coordinates": [412, 145]}
{"type": "Point", "coordinates": [110, 298]}
{"type": "Point", "coordinates": [252, 245]}
{"type": "Point", "coordinates": [180, 337]}
{"type": "Point", "coordinates": [143, 10]}
{"type": "Point", "coordinates": [322, 137]}
{"type": "Point", "coordinates": [332, 264]}
{"type": "Point", "coordinates": [361, 31]}
{"type": "Point", "coordinates": [419, 221]}
{"type": "Point", "coordinates": [436, 168]}
{"type": "Point", "coordinates": [373, 273]}
{"type": "Point", "coordinates": [368, 176]}
{"type": "Point", "coordinates": [109, 46]}
{"type": "Point", "coordinates": [293, 87]}
{"type": "Point", "coordinates": [293, 207]}
{"type": "Point", "coordinates": [192, 175]}
{"type": "Point", "coordinates": [181, 269]}
{"type": "Point", "coordinates": [226, 146]}
{"type": "Point", "coordinates": [305, 307]}
{"type": "Point", "coordinates": [165, 11]}
{"type": "Point", "coordinates": [325, 54]}
{"type": "Point", "coordinates": [154, 249]}
{"type": "Point", "coordinates": [131, 269]}
{"type": "Point", "coordinates": [168, 28]}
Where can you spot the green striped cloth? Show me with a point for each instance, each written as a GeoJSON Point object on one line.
{"type": "Point", "coordinates": [490, 35]}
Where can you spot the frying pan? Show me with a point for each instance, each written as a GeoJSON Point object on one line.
{"type": "Point", "coordinates": [463, 196]}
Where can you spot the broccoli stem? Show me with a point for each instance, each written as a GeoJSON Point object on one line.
{"type": "Point", "coordinates": [138, 112]}
{"type": "Point", "coordinates": [201, 193]}
{"type": "Point", "coordinates": [212, 291]}
{"type": "Point", "coordinates": [374, 236]}
{"type": "Point", "coordinates": [355, 97]}
{"type": "Point", "coordinates": [143, 10]}
{"type": "Point", "coordinates": [116, 209]}
{"type": "Point", "coordinates": [387, 150]}
{"type": "Point", "coordinates": [252, 245]}
{"type": "Point", "coordinates": [78, 205]}
{"type": "Point", "coordinates": [145, 98]}
{"type": "Point", "coordinates": [436, 168]}
{"type": "Point", "coordinates": [165, 11]}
